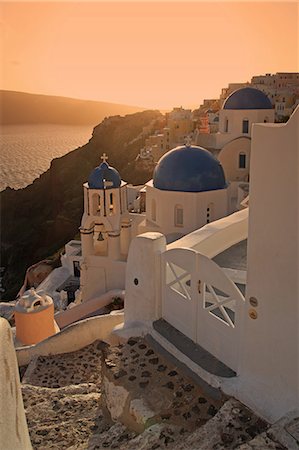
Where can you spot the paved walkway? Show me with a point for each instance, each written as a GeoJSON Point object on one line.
{"type": "Point", "coordinates": [67, 408]}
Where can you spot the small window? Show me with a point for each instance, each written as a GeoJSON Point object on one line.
{"type": "Point", "coordinates": [111, 203]}
{"type": "Point", "coordinates": [154, 212]}
{"type": "Point", "coordinates": [210, 212]}
{"type": "Point", "coordinates": [76, 266]}
{"type": "Point", "coordinates": [226, 125]}
{"type": "Point", "coordinates": [242, 161]}
{"type": "Point", "coordinates": [245, 126]}
{"type": "Point", "coordinates": [178, 216]}
{"type": "Point", "coordinates": [96, 204]}
{"type": "Point", "coordinates": [99, 204]}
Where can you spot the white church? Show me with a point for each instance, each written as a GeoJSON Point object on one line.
{"type": "Point", "coordinates": [181, 263]}
{"type": "Point", "coordinates": [232, 142]}
{"type": "Point", "coordinates": [188, 190]}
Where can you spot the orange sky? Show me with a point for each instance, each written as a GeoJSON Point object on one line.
{"type": "Point", "coordinates": [149, 54]}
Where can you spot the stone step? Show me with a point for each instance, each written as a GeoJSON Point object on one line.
{"type": "Point", "coordinates": [134, 396]}
{"type": "Point", "coordinates": [263, 441]}
{"type": "Point", "coordinates": [142, 386]}
{"type": "Point", "coordinates": [54, 371]}
{"type": "Point", "coordinates": [233, 425]}
{"type": "Point", "coordinates": [61, 417]}
{"type": "Point", "coordinates": [115, 437]}
{"type": "Point", "coordinates": [283, 434]}
{"type": "Point", "coordinates": [158, 436]}
{"type": "Point", "coordinates": [193, 351]}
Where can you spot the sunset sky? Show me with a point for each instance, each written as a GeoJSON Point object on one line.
{"type": "Point", "coordinates": [154, 54]}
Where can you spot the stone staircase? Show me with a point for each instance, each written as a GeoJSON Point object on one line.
{"type": "Point", "coordinates": [131, 397]}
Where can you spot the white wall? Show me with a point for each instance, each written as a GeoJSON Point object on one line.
{"type": "Point", "coordinates": [235, 119]}
{"type": "Point", "coordinates": [66, 317]}
{"type": "Point", "coordinates": [13, 427]}
{"type": "Point", "coordinates": [74, 337]}
{"type": "Point", "coordinates": [229, 159]}
{"type": "Point", "coordinates": [194, 205]}
{"type": "Point", "coordinates": [103, 275]}
{"type": "Point", "coordinates": [269, 378]}
{"type": "Point", "coordinates": [143, 278]}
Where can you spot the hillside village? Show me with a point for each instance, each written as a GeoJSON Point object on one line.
{"type": "Point", "coordinates": [164, 324]}
{"type": "Point", "coordinates": [182, 125]}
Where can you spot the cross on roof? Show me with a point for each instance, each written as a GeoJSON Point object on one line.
{"type": "Point", "coordinates": [188, 141]}
{"type": "Point", "coordinates": [104, 157]}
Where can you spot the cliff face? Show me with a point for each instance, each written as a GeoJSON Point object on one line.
{"type": "Point", "coordinates": [38, 220]}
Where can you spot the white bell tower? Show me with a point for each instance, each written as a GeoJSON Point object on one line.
{"type": "Point", "coordinates": [105, 225]}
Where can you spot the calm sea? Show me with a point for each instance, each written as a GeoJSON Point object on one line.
{"type": "Point", "coordinates": [27, 150]}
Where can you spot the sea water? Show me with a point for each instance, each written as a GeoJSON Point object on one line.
{"type": "Point", "coordinates": [26, 151]}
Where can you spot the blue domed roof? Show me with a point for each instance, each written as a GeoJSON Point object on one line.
{"type": "Point", "coordinates": [189, 169]}
{"type": "Point", "coordinates": [247, 98]}
{"type": "Point", "coordinates": [104, 177]}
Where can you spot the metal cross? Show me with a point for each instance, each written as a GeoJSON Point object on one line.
{"type": "Point", "coordinates": [104, 157]}
{"type": "Point", "coordinates": [188, 141]}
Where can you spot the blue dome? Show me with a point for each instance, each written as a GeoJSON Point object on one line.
{"type": "Point", "coordinates": [247, 98]}
{"type": "Point", "coordinates": [104, 177]}
{"type": "Point", "coordinates": [189, 169]}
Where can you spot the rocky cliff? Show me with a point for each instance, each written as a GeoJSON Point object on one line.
{"type": "Point", "coordinates": [38, 220]}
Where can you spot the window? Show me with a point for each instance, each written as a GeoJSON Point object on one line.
{"type": "Point", "coordinates": [96, 204]}
{"type": "Point", "coordinates": [76, 266]}
{"type": "Point", "coordinates": [210, 212]}
{"type": "Point", "coordinates": [111, 203]}
{"type": "Point", "coordinates": [245, 126]}
{"type": "Point", "coordinates": [154, 211]}
{"type": "Point", "coordinates": [178, 216]}
{"type": "Point", "coordinates": [242, 161]}
{"type": "Point", "coordinates": [226, 125]}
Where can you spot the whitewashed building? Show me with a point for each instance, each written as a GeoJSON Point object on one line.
{"type": "Point", "coordinates": [242, 321]}
{"type": "Point", "coordinates": [188, 190]}
{"type": "Point", "coordinates": [253, 332]}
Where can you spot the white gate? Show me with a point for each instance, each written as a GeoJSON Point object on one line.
{"type": "Point", "coordinates": [179, 297]}
{"type": "Point", "coordinates": [202, 302]}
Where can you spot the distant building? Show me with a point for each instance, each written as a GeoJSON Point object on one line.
{"type": "Point", "coordinates": [225, 92]}
{"type": "Point", "coordinates": [232, 141]}
{"type": "Point", "coordinates": [179, 128]}
{"type": "Point", "coordinates": [282, 89]}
